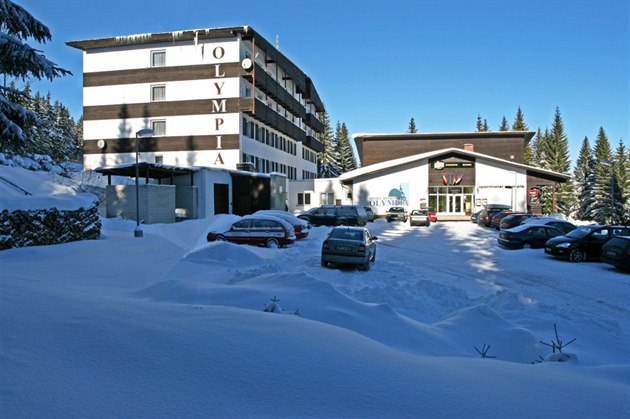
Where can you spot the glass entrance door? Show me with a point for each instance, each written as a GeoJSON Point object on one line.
{"type": "Point", "coordinates": [456, 204]}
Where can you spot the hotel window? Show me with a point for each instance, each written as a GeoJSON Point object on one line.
{"type": "Point", "coordinates": [158, 93]}
{"type": "Point", "coordinates": [159, 159]}
{"type": "Point", "coordinates": [327, 199]}
{"type": "Point", "coordinates": [304, 198]}
{"type": "Point", "coordinates": [158, 58]}
{"type": "Point", "coordinates": [158, 127]}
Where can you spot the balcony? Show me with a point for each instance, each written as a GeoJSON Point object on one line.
{"type": "Point", "coordinates": [271, 87]}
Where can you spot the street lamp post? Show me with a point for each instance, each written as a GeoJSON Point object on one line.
{"type": "Point", "coordinates": [611, 164]}
{"type": "Point", "coordinates": [146, 132]}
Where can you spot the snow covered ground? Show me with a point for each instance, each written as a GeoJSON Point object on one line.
{"type": "Point", "coordinates": [171, 326]}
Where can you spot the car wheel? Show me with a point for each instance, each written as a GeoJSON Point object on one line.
{"type": "Point", "coordinates": [366, 266]}
{"type": "Point", "coordinates": [324, 263]}
{"type": "Point", "coordinates": [272, 244]}
{"type": "Point", "coordinates": [527, 245]}
{"type": "Point", "coordinates": [577, 255]}
{"type": "Point", "coordinates": [219, 238]}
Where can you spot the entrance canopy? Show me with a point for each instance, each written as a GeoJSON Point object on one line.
{"type": "Point", "coordinates": [147, 171]}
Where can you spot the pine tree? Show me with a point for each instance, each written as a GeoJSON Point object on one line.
{"type": "Point", "coordinates": [519, 124]}
{"type": "Point", "coordinates": [20, 61]}
{"type": "Point", "coordinates": [479, 124]}
{"type": "Point", "coordinates": [622, 182]}
{"type": "Point", "coordinates": [327, 160]}
{"type": "Point", "coordinates": [519, 121]}
{"type": "Point", "coordinates": [347, 161]}
{"type": "Point", "coordinates": [601, 210]}
{"type": "Point", "coordinates": [504, 125]}
{"type": "Point", "coordinates": [412, 126]}
{"type": "Point", "coordinates": [557, 157]}
{"type": "Point", "coordinates": [583, 177]}
{"type": "Point", "coordinates": [485, 126]}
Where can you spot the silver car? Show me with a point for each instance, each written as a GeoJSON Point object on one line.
{"type": "Point", "coordinates": [349, 246]}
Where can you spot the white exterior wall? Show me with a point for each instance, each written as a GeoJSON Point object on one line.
{"type": "Point", "coordinates": [496, 184]}
{"type": "Point", "coordinates": [216, 88]}
{"type": "Point", "coordinates": [205, 179]}
{"type": "Point", "coordinates": [136, 56]}
{"type": "Point", "coordinates": [172, 158]}
{"type": "Point", "coordinates": [374, 190]}
{"type": "Point", "coordinates": [175, 90]}
{"type": "Point", "coordinates": [315, 187]}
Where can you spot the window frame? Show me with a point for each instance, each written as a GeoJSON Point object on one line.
{"type": "Point", "coordinates": [153, 89]}
{"type": "Point", "coordinates": [155, 53]}
{"type": "Point", "coordinates": [156, 132]}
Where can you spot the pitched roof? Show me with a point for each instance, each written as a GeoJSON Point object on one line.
{"type": "Point", "coordinates": [383, 166]}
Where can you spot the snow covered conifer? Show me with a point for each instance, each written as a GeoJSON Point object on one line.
{"type": "Point", "coordinates": [20, 61]}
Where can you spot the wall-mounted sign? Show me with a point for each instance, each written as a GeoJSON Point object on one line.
{"type": "Point", "coordinates": [439, 165]}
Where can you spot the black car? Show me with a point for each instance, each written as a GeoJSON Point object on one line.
{"type": "Point", "coordinates": [584, 242]}
{"type": "Point", "coordinates": [564, 226]}
{"type": "Point", "coordinates": [349, 246]}
{"type": "Point", "coordinates": [616, 252]}
{"type": "Point", "coordinates": [514, 219]}
{"type": "Point", "coordinates": [490, 210]}
{"type": "Point", "coordinates": [527, 236]}
{"type": "Point", "coordinates": [496, 220]}
{"type": "Point", "coordinates": [336, 215]}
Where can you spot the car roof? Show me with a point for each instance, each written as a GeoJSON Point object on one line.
{"type": "Point", "coordinates": [283, 214]}
{"type": "Point", "coordinates": [524, 227]}
{"type": "Point", "coordinates": [349, 228]}
{"type": "Point", "coordinates": [265, 217]}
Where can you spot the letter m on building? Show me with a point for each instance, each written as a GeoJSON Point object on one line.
{"type": "Point", "coordinates": [219, 106]}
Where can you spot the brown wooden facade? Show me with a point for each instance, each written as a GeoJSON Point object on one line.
{"type": "Point", "coordinates": [376, 148]}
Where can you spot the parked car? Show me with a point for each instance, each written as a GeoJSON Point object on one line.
{"type": "Point", "coordinates": [396, 214]}
{"type": "Point", "coordinates": [419, 217]}
{"type": "Point", "coordinates": [370, 214]}
{"type": "Point", "coordinates": [475, 217]}
{"type": "Point", "coordinates": [496, 219]}
{"type": "Point", "coordinates": [564, 226]}
{"type": "Point", "coordinates": [301, 227]}
{"type": "Point", "coordinates": [335, 215]}
{"type": "Point", "coordinates": [260, 230]}
{"type": "Point", "coordinates": [432, 215]}
{"type": "Point", "coordinates": [584, 242]}
{"type": "Point", "coordinates": [514, 219]}
{"type": "Point", "coordinates": [616, 252]}
{"type": "Point", "coordinates": [489, 211]}
{"type": "Point", "coordinates": [349, 246]}
{"type": "Point", "coordinates": [527, 236]}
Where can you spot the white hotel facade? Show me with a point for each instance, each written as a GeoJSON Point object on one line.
{"type": "Point", "coordinates": [220, 97]}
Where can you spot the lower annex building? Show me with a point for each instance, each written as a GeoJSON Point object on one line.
{"type": "Point", "coordinates": [454, 173]}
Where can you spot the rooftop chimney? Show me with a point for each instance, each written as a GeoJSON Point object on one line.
{"type": "Point", "coordinates": [469, 147]}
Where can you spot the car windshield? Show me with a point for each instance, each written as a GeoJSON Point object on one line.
{"type": "Point", "coordinates": [342, 233]}
{"type": "Point", "coordinates": [579, 233]}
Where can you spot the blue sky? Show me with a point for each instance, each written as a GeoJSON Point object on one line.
{"type": "Point", "coordinates": [376, 64]}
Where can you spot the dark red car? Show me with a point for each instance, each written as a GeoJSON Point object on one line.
{"type": "Point", "coordinates": [259, 230]}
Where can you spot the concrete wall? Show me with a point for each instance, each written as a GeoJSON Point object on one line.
{"type": "Point", "coordinates": [157, 202]}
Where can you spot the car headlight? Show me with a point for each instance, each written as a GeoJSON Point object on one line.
{"type": "Point", "coordinates": [564, 245]}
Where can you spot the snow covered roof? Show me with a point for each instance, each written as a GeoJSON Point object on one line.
{"type": "Point", "coordinates": [527, 135]}
{"type": "Point", "coordinates": [379, 167]}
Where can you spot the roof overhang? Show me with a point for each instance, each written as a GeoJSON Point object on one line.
{"type": "Point", "coordinates": [145, 170]}
{"type": "Point", "coordinates": [372, 169]}
{"type": "Point", "coordinates": [526, 135]}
